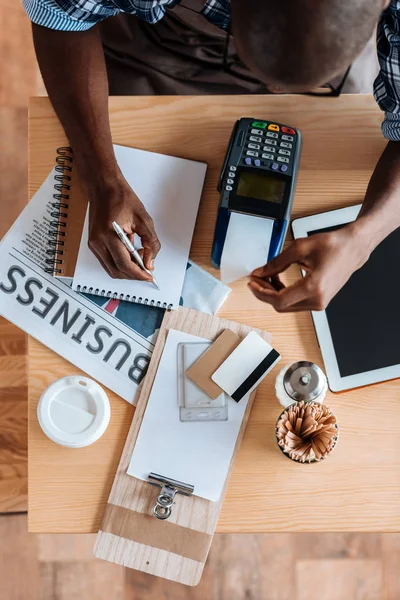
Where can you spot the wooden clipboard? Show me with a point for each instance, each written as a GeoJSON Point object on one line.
{"type": "Point", "coordinates": [130, 535]}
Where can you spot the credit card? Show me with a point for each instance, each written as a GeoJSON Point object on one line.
{"type": "Point", "coordinates": [246, 366]}
{"type": "Point", "coordinates": [200, 372]}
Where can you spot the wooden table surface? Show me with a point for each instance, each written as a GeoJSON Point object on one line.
{"type": "Point", "coordinates": [358, 487]}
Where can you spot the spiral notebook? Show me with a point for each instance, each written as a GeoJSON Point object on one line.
{"type": "Point", "coordinates": [69, 209]}
{"type": "Point", "coordinates": [170, 189]}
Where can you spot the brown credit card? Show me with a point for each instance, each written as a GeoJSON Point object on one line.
{"type": "Point", "coordinates": [200, 372]}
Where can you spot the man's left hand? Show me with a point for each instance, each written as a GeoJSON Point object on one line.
{"type": "Point", "coordinates": [328, 259]}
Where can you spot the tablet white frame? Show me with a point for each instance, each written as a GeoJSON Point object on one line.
{"type": "Point", "coordinates": [301, 228]}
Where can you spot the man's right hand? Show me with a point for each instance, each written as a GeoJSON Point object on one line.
{"type": "Point", "coordinates": [118, 202]}
{"type": "Point", "coordinates": [73, 69]}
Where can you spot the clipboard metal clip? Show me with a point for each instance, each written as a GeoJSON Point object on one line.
{"type": "Point", "coordinates": [169, 489]}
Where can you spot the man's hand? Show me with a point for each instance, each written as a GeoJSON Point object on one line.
{"type": "Point", "coordinates": [121, 204]}
{"type": "Point", "coordinates": [329, 259]}
{"type": "Point", "coordinates": [73, 69]}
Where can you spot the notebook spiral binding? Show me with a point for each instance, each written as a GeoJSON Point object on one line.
{"type": "Point", "coordinates": [56, 232]}
{"type": "Point", "coordinates": [83, 289]}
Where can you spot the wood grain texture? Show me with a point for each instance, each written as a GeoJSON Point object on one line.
{"type": "Point", "coordinates": [358, 487]}
{"type": "Point", "coordinates": [19, 567]}
{"type": "Point", "coordinates": [13, 163]}
{"type": "Point", "coordinates": [18, 72]}
{"type": "Point", "coordinates": [190, 514]}
{"type": "Point", "coordinates": [339, 545]}
{"type": "Point", "coordinates": [81, 580]}
{"type": "Point", "coordinates": [59, 547]}
{"type": "Point", "coordinates": [239, 567]}
{"type": "Point", "coordinates": [13, 418]}
{"type": "Point", "coordinates": [391, 566]}
{"type": "Point", "coordinates": [74, 492]}
{"type": "Point", "coordinates": [17, 83]}
{"type": "Point", "coordinates": [344, 579]}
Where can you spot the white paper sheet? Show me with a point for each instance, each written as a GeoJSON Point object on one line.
{"type": "Point", "coordinates": [246, 246]}
{"type": "Point", "coordinates": [196, 453]}
{"type": "Point", "coordinates": [170, 189]}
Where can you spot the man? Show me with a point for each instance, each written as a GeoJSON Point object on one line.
{"type": "Point", "coordinates": [159, 46]}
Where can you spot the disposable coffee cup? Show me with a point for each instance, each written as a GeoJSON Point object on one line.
{"type": "Point", "coordinates": [74, 411]}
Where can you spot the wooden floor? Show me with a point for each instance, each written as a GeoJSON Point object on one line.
{"type": "Point", "coordinates": [240, 567]}
{"type": "Point", "coordinates": [17, 82]}
{"type": "Point", "coordinates": [55, 567]}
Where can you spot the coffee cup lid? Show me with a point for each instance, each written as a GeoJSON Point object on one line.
{"type": "Point", "coordinates": [74, 411]}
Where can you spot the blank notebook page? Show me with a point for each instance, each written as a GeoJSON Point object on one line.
{"type": "Point", "coordinates": [170, 189]}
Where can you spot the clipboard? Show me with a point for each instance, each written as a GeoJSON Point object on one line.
{"type": "Point", "coordinates": [130, 535]}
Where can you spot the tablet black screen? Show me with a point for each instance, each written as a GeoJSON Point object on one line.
{"type": "Point", "coordinates": [364, 316]}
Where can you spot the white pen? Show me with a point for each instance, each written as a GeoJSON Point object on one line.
{"type": "Point", "coordinates": [131, 248]}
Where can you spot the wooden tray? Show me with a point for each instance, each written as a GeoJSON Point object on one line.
{"type": "Point", "coordinates": [130, 535]}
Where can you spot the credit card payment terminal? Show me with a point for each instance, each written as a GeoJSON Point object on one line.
{"type": "Point", "coordinates": [258, 178]}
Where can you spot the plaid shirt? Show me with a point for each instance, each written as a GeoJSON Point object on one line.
{"type": "Point", "coordinates": [79, 15]}
{"type": "Point", "coordinates": [387, 84]}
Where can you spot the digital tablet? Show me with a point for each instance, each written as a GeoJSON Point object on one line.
{"type": "Point", "coordinates": [359, 332]}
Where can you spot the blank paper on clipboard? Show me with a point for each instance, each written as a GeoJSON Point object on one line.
{"type": "Point", "coordinates": [198, 453]}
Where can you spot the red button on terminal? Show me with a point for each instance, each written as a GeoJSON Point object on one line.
{"type": "Point", "coordinates": [288, 130]}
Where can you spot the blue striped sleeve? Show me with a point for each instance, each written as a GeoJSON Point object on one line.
{"type": "Point", "coordinates": [48, 14]}
{"type": "Point", "coordinates": [391, 127]}
{"type": "Point", "coordinates": [387, 84]}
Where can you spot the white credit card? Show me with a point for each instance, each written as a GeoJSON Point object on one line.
{"type": "Point", "coordinates": [246, 367]}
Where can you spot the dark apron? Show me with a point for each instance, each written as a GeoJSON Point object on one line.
{"type": "Point", "coordinates": [181, 54]}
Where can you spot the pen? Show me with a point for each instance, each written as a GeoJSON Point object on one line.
{"type": "Point", "coordinates": [131, 248]}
